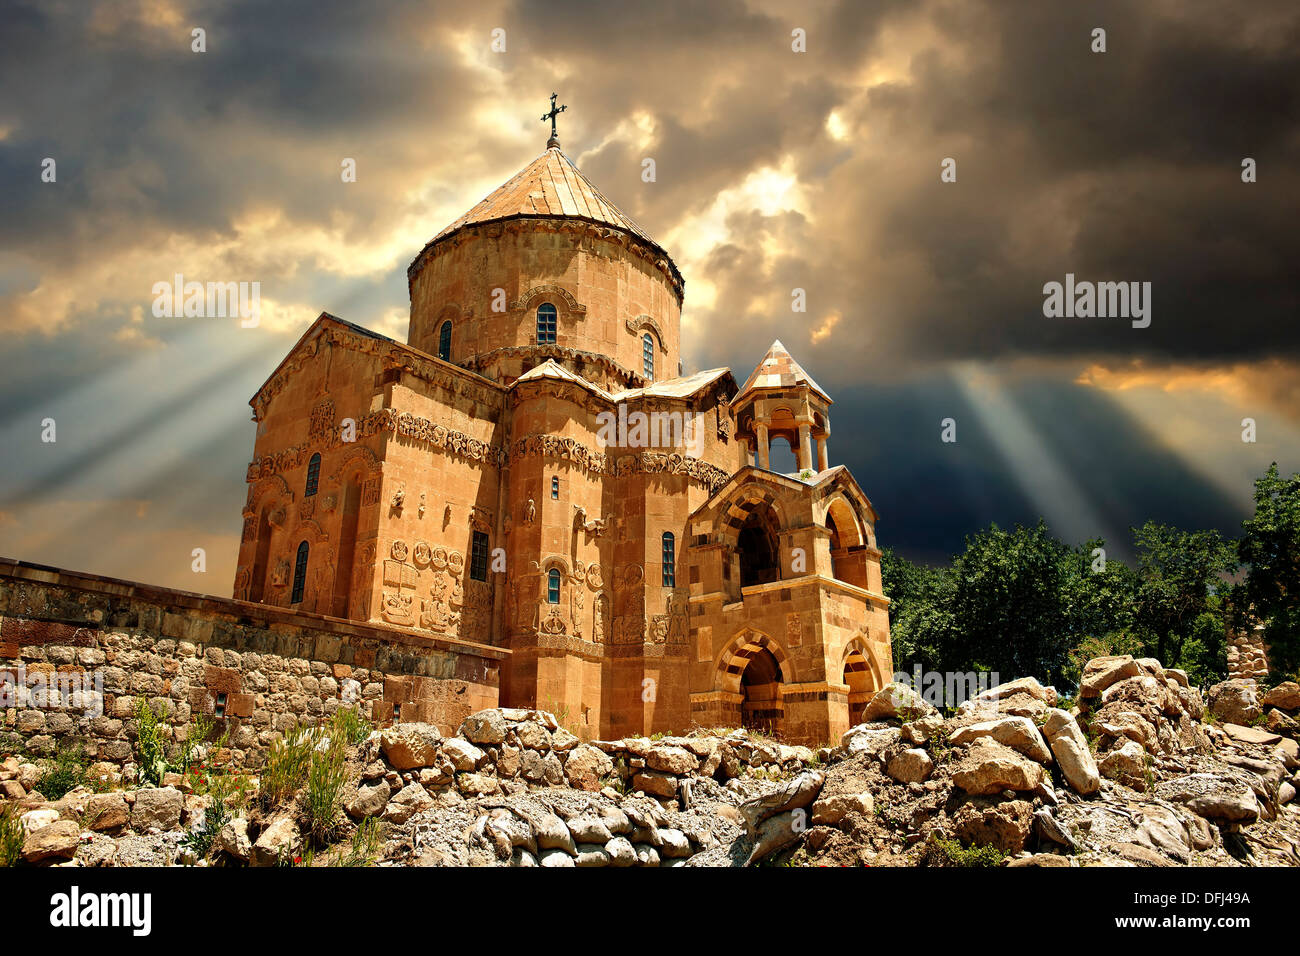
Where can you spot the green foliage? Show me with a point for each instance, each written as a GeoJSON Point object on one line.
{"type": "Point", "coordinates": [200, 838]}
{"type": "Point", "coordinates": [325, 778]}
{"type": "Point", "coordinates": [1270, 547]}
{"type": "Point", "coordinates": [67, 772]}
{"type": "Point", "coordinates": [363, 848]}
{"type": "Point", "coordinates": [11, 835]}
{"type": "Point", "coordinates": [1177, 602]}
{"type": "Point", "coordinates": [150, 743]}
{"type": "Point", "coordinates": [287, 766]}
{"type": "Point", "coordinates": [952, 853]}
{"type": "Point", "coordinates": [351, 725]}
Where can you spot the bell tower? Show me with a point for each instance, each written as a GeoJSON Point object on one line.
{"type": "Point", "coordinates": [781, 400]}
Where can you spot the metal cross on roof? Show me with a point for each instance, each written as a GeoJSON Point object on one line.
{"type": "Point", "coordinates": [555, 111]}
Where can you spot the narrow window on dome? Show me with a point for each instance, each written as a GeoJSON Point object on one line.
{"type": "Point", "coordinates": [553, 586]}
{"type": "Point", "coordinates": [670, 558]}
{"type": "Point", "coordinates": [546, 323]}
{"type": "Point", "coordinates": [648, 355]}
{"type": "Point", "coordinates": [555, 487]}
{"type": "Point", "coordinates": [299, 574]}
{"type": "Point", "coordinates": [444, 341]}
{"type": "Point", "coordinates": [313, 476]}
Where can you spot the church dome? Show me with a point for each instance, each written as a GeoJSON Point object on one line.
{"type": "Point", "coordinates": [548, 239]}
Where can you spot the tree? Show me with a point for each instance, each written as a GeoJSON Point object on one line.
{"type": "Point", "coordinates": [1008, 612]}
{"type": "Point", "coordinates": [1178, 604]}
{"type": "Point", "coordinates": [1271, 548]}
{"type": "Point", "coordinates": [920, 625]}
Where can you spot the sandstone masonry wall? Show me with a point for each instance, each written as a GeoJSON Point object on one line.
{"type": "Point", "coordinates": [265, 668]}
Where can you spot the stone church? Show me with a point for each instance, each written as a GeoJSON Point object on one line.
{"type": "Point", "coordinates": [532, 471]}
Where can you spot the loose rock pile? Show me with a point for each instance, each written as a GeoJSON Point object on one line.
{"type": "Point", "coordinates": [1134, 773]}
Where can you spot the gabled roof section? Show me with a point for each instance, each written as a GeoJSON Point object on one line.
{"type": "Point", "coordinates": [669, 388]}
{"type": "Point", "coordinates": [778, 369]}
{"type": "Point", "coordinates": [683, 387]}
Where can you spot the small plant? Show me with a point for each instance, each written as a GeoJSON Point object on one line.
{"type": "Point", "coordinates": [67, 773]}
{"type": "Point", "coordinates": [11, 835]}
{"type": "Point", "coordinates": [952, 853]}
{"type": "Point", "coordinates": [351, 725]}
{"type": "Point", "coordinates": [287, 766]}
{"type": "Point", "coordinates": [325, 778]}
{"type": "Point", "coordinates": [362, 849]}
{"type": "Point", "coordinates": [150, 743]}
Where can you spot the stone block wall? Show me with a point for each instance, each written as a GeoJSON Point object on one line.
{"type": "Point", "coordinates": [257, 670]}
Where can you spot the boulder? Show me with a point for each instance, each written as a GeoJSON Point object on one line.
{"type": "Point", "coordinates": [410, 746]}
{"type": "Point", "coordinates": [776, 833]}
{"type": "Point", "coordinates": [1018, 733]}
{"type": "Point", "coordinates": [556, 858]}
{"type": "Point", "coordinates": [864, 739]}
{"type": "Point", "coordinates": [157, 808]}
{"type": "Point", "coordinates": [362, 801]}
{"type": "Point", "coordinates": [674, 760]}
{"type": "Point", "coordinates": [106, 811]}
{"type": "Point", "coordinates": [895, 700]}
{"type": "Point", "coordinates": [1004, 826]}
{"type": "Point", "coordinates": [655, 783]}
{"type": "Point", "coordinates": [989, 767]}
{"type": "Point", "coordinates": [589, 829]}
{"type": "Point", "coordinates": [1070, 747]}
{"type": "Point", "coordinates": [487, 727]}
{"type": "Point", "coordinates": [586, 766]}
{"type": "Point", "coordinates": [409, 801]}
{"type": "Point", "coordinates": [910, 766]}
{"type": "Point", "coordinates": [1251, 735]}
{"type": "Point", "coordinates": [232, 839]}
{"type": "Point", "coordinates": [57, 840]}
{"type": "Point", "coordinates": [1235, 701]}
{"type": "Point", "coordinates": [1285, 695]}
{"type": "Point", "coordinates": [463, 754]}
{"type": "Point", "coordinates": [1126, 764]}
{"type": "Point", "coordinates": [551, 833]}
{"type": "Point", "coordinates": [795, 794]}
{"type": "Point", "coordinates": [1213, 797]}
{"type": "Point", "coordinates": [1100, 672]}
{"type": "Point", "coordinates": [673, 844]}
{"type": "Point", "coordinates": [278, 843]}
{"type": "Point", "coordinates": [620, 852]}
{"type": "Point", "coordinates": [1279, 723]}
{"type": "Point", "coordinates": [830, 811]}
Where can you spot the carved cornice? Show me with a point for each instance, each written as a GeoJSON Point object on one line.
{"type": "Point", "coordinates": [385, 421]}
{"type": "Point", "coordinates": [600, 463]}
{"type": "Point", "coordinates": [561, 353]}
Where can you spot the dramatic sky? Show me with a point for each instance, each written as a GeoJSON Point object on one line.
{"type": "Point", "coordinates": [776, 170]}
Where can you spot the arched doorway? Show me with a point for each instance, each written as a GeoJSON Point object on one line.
{"type": "Point", "coordinates": [261, 555]}
{"type": "Point", "coordinates": [757, 547]}
{"type": "Point", "coordinates": [760, 683]}
{"type": "Point", "coordinates": [857, 674]}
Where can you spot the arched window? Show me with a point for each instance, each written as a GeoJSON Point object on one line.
{"type": "Point", "coordinates": [313, 475]}
{"type": "Point", "coordinates": [444, 341]}
{"type": "Point", "coordinates": [299, 574]}
{"type": "Point", "coordinates": [546, 322]}
{"type": "Point", "coordinates": [670, 559]}
{"type": "Point", "coordinates": [553, 586]}
{"type": "Point", "coordinates": [648, 355]}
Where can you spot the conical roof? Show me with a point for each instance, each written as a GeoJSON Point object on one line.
{"type": "Point", "coordinates": [550, 186]}
{"type": "Point", "coordinates": [778, 369]}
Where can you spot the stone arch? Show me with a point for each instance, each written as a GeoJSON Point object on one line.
{"type": "Point", "coordinates": [859, 671]}
{"type": "Point", "coordinates": [273, 485]}
{"type": "Point", "coordinates": [368, 459]}
{"type": "Point", "coordinates": [567, 304]}
{"type": "Point", "coordinates": [310, 530]}
{"type": "Point", "coordinates": [740, 650]}
{"type": "Point", "coordinates": [647, 323]}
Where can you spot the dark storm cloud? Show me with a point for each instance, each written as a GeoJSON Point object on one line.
{"type": "Point", "coordinates": [1122, 166]}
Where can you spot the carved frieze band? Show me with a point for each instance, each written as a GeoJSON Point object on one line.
{"type": "Point", "coordinates": [385, 420]}
{"type": "Point", "coordinates": [600, 463]}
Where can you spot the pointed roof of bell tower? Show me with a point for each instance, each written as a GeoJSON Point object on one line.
{"type": "Point", "coordinates": [778, 369]}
